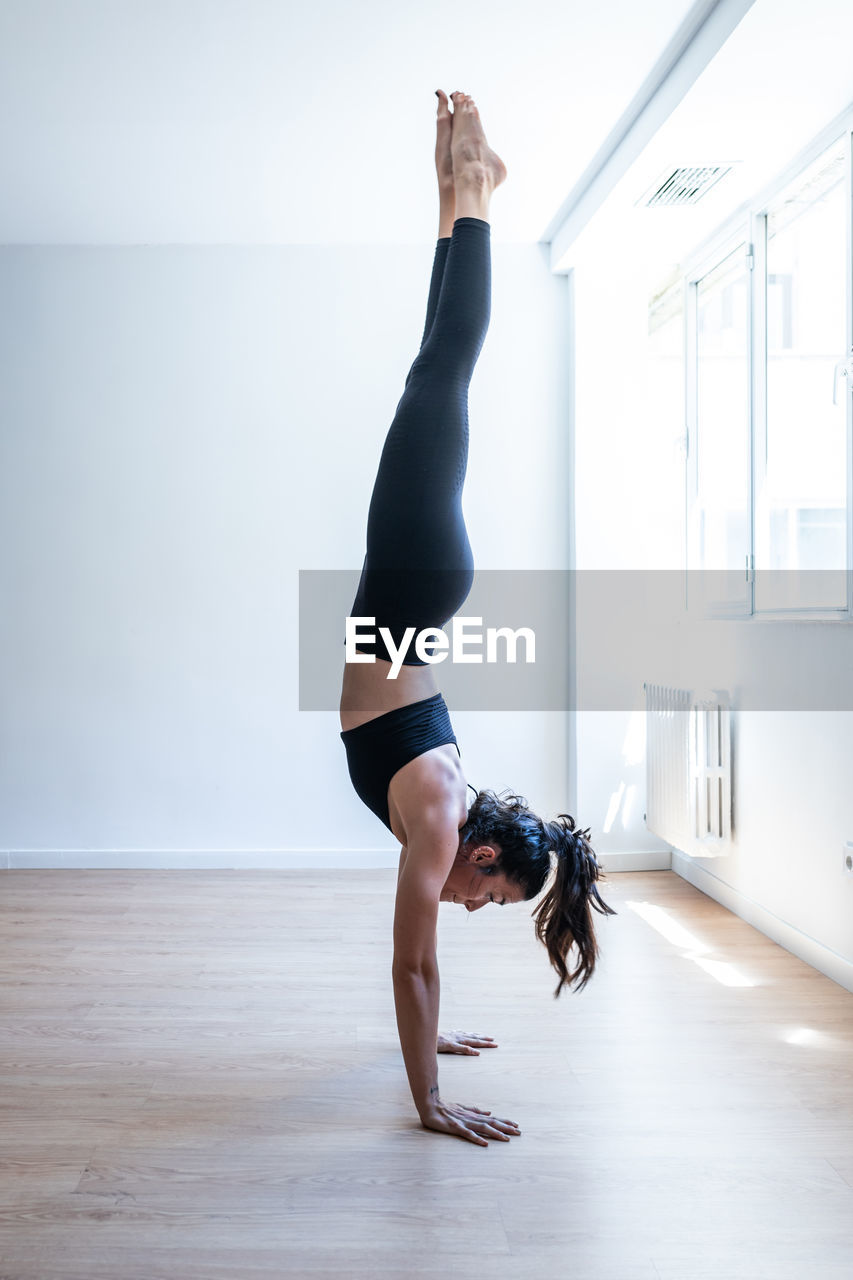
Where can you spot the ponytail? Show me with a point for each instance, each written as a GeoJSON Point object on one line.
{"type": "Point", "coordinates": [564, 916]}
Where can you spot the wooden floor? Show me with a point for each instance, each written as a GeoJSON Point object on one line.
{"type": "Point", "coordinates": [201, 1080]}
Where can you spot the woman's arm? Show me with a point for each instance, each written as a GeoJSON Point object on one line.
{"type": "Point", "coordinates": [423, 873]}
{"type": "Point", "coordinates": [458, 1042]}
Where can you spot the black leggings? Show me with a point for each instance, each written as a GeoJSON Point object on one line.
{"type": "Point", "coordinates": [418, 569]}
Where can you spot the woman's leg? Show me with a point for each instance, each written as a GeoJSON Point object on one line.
{"type": "Point", "coordinates": [446, 206]}
{"type": "Point", "coordinates": [438, 264]}
{"type": "Point", "coordinates": [418, 569]}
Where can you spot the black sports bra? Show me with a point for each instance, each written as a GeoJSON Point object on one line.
{"type": "Point", "coordinates": [377, 749]}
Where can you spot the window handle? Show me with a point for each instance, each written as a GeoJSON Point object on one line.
{"type": "Point", "coordinates": [844, 369]}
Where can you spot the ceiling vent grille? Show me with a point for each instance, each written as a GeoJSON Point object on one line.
{"type": "Point", "coordinates": [683, 186]}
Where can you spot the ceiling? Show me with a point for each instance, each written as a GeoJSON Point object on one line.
{"type": "Point", "coordinates": [780, 79]}
{"type": "Point", "coordinates": [268, 121]}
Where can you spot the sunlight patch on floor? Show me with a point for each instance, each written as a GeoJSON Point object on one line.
{"type": "Point", "coordinates": [692, 947]}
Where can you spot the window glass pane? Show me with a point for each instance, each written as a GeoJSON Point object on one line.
{"type": "Point", "coordinates": [801, 506]}
{"type": "Point", "coordinates": [719, 540]}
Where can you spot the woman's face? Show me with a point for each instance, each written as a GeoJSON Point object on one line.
{"type": "Point", "coordinates": [469, 886]}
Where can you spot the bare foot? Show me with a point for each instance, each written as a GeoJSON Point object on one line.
{"type": "Point", "coordinates": [473, 159]}
{"type": "Point", "coordinates": [443, 134]}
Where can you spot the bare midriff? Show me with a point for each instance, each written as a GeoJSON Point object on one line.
{"type": "Point", "coordinates": [367, 692]}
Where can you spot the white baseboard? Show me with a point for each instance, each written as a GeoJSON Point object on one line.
{"type": "Point", "coordinates": [642, 860]}
{"type": "Point", "coordinates": [201, 859]}
{"type": "Point", "coordinates": [799, 944]}
{"type": "Point", "coordinates": [261, 859]}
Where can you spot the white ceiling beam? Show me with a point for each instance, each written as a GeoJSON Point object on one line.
{"type": "Point", "coordinates": [700, 37]}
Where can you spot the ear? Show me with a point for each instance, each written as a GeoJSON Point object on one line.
{"type": "Point", "coordinates": [484, 855]}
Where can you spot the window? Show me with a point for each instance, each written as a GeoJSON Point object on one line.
{"type": "Point", "coordinates": [719, 511]}
{"type": "Point", "coordinates": [800, 496]}
{"type": "Point", "coordinates": [768, 378]}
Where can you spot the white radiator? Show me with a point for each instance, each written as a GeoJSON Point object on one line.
{"type": "Point", "coordinates": [688, 769]}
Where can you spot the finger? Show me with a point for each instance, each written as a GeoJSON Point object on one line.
{"type": "Point", "coordinates": [484, 1127]}
{"type": "Point", "coordinates": [505, 1127]}
{"type": "Point", "coordinates": [457, 1129]}
{"type": "Point", "coordinates": [509, 1125]}
{"type": "Point", "coordinates": [512, 1129]}
{"type": "Point", "coordinates": [461, 1130]}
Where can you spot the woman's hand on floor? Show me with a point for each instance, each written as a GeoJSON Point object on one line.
{"type": "Point", "coordinates": [464, 1042]}
{"type": "Point", "coordinates": [468, 1122]}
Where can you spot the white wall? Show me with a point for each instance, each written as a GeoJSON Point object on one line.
{"type": "Point", "coordinates": [183, 429]}
{"type": "Point", "coordinates": [794, 812]}
{"type": "Point", "coordinates": [629, 517]}
{"type": "Point", "coordinates": [793, 802]}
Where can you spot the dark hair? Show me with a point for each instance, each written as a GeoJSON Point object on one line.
{"type": "Point", "coordinates": [525, 843]}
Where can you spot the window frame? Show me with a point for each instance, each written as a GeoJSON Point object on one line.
{"type": "Point", "coordinates": [747, 227]}
{"type": "Point", "coordinates": [724, 246]}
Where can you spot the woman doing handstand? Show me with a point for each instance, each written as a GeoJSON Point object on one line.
{"type": "Point", "coordinates": [401, 750]}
